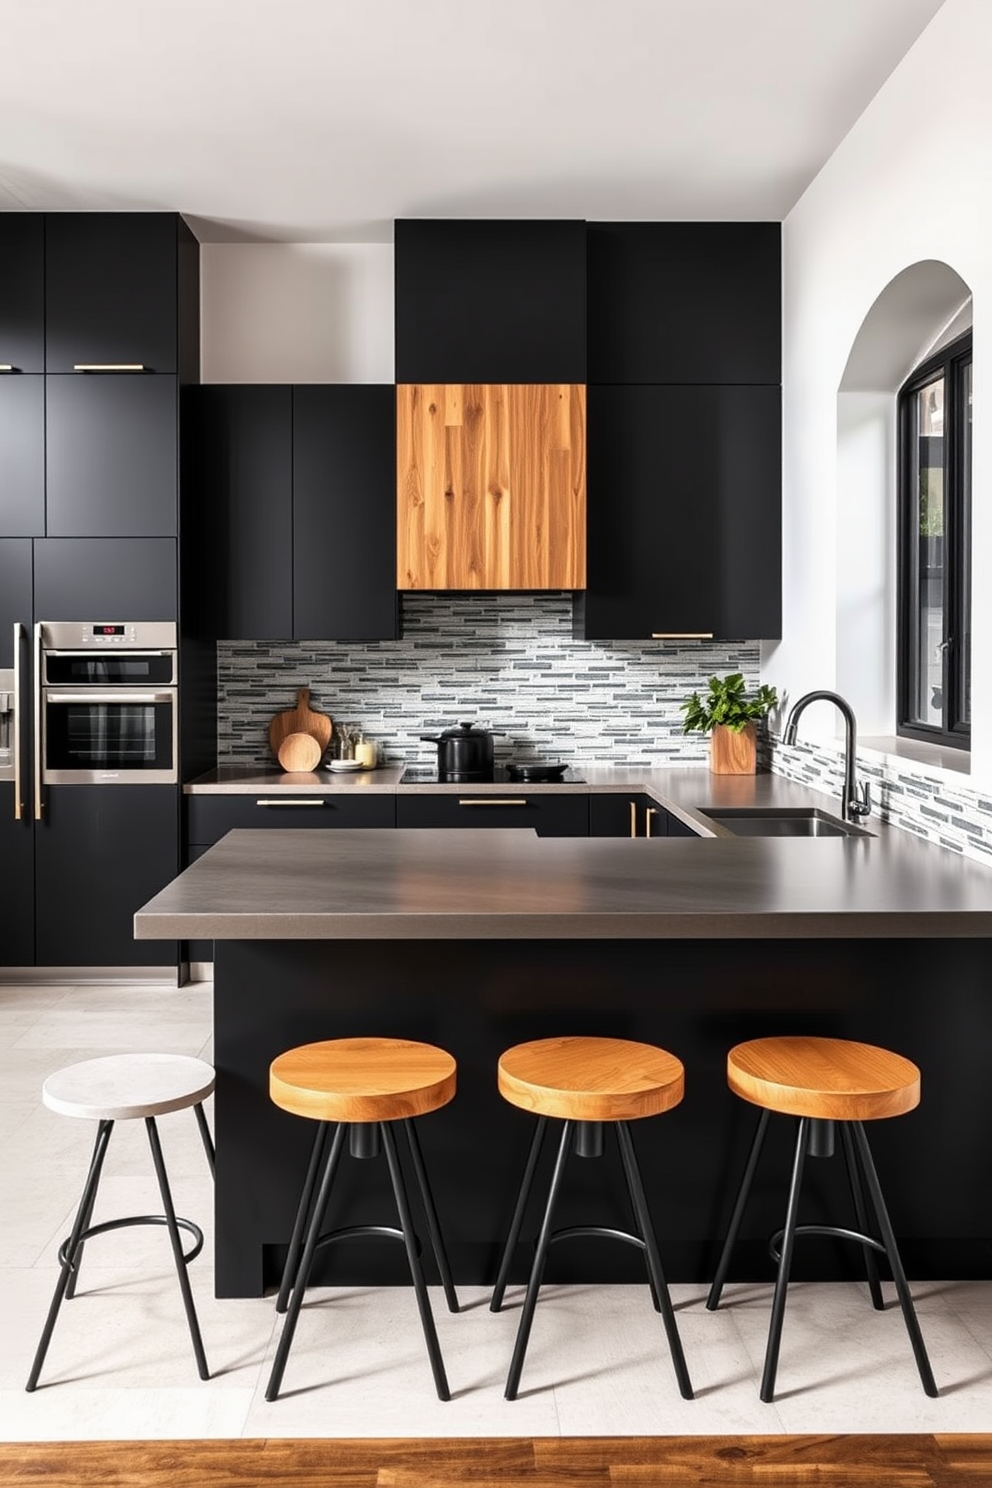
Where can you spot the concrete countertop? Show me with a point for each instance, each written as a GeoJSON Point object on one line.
{"type": "Point", "coordinates": [509, 883]}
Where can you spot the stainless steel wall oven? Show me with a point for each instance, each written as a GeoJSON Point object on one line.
{"type": "Point", "coordinates": [106, 709]}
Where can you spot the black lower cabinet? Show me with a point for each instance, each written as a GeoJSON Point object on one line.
{"type": "Point", "coordinates": [550, 815]}
{"type": "Point", "coordinates": [101, 852]}
{"type": "Point", "coordinates": [636, 815]}
{"type": "Point", "coordinates": [16, 884]}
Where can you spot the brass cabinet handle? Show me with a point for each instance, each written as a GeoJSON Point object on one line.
{"type": "Point", "coordinates": [495, 801]}
{"type": "Point", "coordinates": [6, 367]}
{"type": "Point", "coordinates": [108, 367]}
{"type": "Point", "coordinates": [681, 635]}
{"type": "Point", "coordinates": [633, 818]}
{"type": "Point", "coordinates": [649, 813]}
{"type": "Point", "coordinates": [305, 802]}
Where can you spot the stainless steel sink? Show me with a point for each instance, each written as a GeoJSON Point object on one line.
{"type": "Point", "coordinates": [781, 821]}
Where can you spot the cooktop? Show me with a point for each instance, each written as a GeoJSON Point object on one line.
{"type": "Point", "coordinates": [426, 775]}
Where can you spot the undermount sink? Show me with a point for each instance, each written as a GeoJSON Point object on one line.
{"type": "Point", "coordinates": [781, 821]}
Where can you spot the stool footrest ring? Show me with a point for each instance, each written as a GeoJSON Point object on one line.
{"type": "Point", "coordinates": [365, 1232]}
{"type": "Point", "coordinates": [838, 1232]}
{"type": "Point", "coordinates": [135, 1219]}
{"type": "Point", "coordinates": [602, 1232]}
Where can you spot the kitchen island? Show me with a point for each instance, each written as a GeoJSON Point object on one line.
{"type": "Point", "coordinates": [479, 939]}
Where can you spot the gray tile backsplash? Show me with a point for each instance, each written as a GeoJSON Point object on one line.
{"type": "Point", "coordinates": [506, 662]}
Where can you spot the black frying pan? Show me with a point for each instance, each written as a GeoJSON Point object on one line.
{"type": "Point", "coordinates": [533, 771]}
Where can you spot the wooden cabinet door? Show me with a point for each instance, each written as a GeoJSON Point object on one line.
{"type": "Point", "coordinates": [491, 486]}
{"type": "Point", "coordinates": [111, 288]}
{"type": "Point", "coordinates": [22, 455]}
{"type": "Point", "coordinates": [22, 291]}
{"type": "Point", "coordinates": [684, 513]}
{"type": "Point", "coordinates": [490, 301]}
{"type": "Point", "coordinates": [344, 542]}
{"type": "Point", "coordinates": [112, 456]}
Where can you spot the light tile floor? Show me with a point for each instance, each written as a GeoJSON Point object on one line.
{"type": "Point", "coordinates": [120, 1364]}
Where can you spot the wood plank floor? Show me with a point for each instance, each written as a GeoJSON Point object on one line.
{"type": "Point", "coordinates": [902, 1461]}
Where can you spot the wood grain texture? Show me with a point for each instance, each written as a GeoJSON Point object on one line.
{"type": "Point", "coordinates": [882, 1461]}
{"type": "Point", "coordinates": [834, 1079]}
{"type": "Point", "coordinates": [362, 1079]}
{"type": "Point", "coordinates": [491, 486]}
{"type": "Point", "coordinates": [733, 753]}
{"type": "Point", "coordinates": [299, 752]}
{"type": "Point", "coordinates": [591, 1079]}
{"type": "Point", "coordinates": [300, 720]}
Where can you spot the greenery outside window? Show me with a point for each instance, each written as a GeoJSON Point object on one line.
{"type": "Point", "coordinates": [934, 634]}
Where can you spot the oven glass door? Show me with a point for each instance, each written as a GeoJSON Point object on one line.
{"type": "Point", "coordinates": [97, 737]}
{"type": "Point", "coordinates": [110, 669]}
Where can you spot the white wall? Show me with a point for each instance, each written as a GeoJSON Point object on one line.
{"type": "Point", "coordinates": [911, 182]}
{"type": "Point", "coordinates": [296, 312]}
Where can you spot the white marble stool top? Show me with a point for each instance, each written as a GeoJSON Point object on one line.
{"type": "Point", "coordinates": [119, 1087]}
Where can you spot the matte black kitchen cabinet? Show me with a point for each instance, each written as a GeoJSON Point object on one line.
{"type": "Point", "coordinates": [77, 578]}
{"type": "Point", "coordinates": [549, 814]}
{"type": "Point", "coordinates": [22, 462]}
{"type": "Point", "coordinates": [101, 853]}
{"type": "Point", "coordinates": [295, 497]}
{"type": "Point", "coordinates": [16, 835]}
{"type": "Point", "coordinates": [684, 302]}
{"type": "Point", "coordinates": [22, 291]}
{"type": "Point", "coordinates": [118, 287]}
{"type": "Point", "coordinates": [636, 815]}
{"type": "Point", "coordinates": [490, 301]}
{"type": "Point", "coordinates": [344, 512]}
{"type": "Point", "coordinates": [210, 817]}
{"type": "Point", "coordinates": [112, 453]}
{"type": "Point", "coordinates": [684, 513]}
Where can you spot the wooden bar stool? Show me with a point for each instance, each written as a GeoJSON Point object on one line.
{"type": "Point", "coordinates": [126, 1087]}
{"type": "Point", "coordinates": [586, 1083]}
{"type": "Point", "coordinates": [830, 1084]}
{"type": "Point", "coordinates": [363, 1085]}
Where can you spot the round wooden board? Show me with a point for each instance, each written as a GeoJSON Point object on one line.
{"type": "Point", "coordinates": [299, 752]}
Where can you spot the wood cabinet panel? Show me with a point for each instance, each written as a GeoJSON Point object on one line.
{"type": "Point", "coordinates": [491, 486]}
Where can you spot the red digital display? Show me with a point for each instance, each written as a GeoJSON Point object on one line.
{"type": "Point", "coordinates": [108, 630]}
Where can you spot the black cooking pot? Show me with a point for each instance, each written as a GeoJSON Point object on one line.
{"type": "Point", "coordinates": [463, 753]}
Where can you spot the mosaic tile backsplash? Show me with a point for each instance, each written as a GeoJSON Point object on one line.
{"type": "Point", "coordinates": [505, 662]}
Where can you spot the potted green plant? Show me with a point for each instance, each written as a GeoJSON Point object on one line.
{"type": "Point", "coordinates": [730, 718]}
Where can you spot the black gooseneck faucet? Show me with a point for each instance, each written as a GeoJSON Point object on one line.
{"type": "Point", "coordinates": [855, 804]}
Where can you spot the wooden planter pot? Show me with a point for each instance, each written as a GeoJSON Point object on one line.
{"type": "Point", "coordinates": [730, 753]}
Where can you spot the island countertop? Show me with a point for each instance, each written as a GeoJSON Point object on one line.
{"type": "Point", "coordinates": [478, 884]}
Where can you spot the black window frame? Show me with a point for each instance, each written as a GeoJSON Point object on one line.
{"type": "Point", "coordinates": [955, 728]}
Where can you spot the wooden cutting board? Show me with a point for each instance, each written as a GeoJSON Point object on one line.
{"type": "Point", "coordinates": [300, 720]}
{"type": "Point", "coordinates": [299, 752]}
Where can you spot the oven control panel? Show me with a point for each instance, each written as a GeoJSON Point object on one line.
{"type": "Point", "coordinates": [108, 635]}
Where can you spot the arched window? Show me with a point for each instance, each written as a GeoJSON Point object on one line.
{"type": "Point", "coordinates": [934, 602]}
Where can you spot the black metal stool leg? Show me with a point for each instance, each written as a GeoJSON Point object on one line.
{"type": "Point", "coordinates": [430, 1210]}
{"type": "Point", "coordinates": [784, 1266]}
{"type": "Point", "coordinates": [299, 1225]}
{"type": "Point", "coordinates": [537, 1270]}
{"type": "Point", "coordinates": [713, 1300]}
{"type": "Point", "coordinates": [659, 1286]}
{"type": "Point", "coordinates": [306, 1265]}
{"type": "Point", "coordinates": [861, 1215]}
{"type": "Point", "coordinates": [70, 1290]}
{"type": "Point", "coordinates": [892, 1251]}
{"type": "Point", "coordinates": [205, 1137]}
{"type": "Point", "coordinates": [523, 1194]}
{"type": "Point", "coordinates": [416, 1271]}
{"type": "Point", "coordinates": [177, 1248]}
{"type": "Point", "coordinates": [83, 1215]}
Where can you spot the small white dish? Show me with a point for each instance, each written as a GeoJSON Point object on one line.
{"type": "Point", "coordinates": [345, 766]}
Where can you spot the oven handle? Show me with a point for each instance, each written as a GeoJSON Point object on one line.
{"type": "Point", "coordinates": [123, 695]}
{"type": "Point", "coordinates": [36, 708]}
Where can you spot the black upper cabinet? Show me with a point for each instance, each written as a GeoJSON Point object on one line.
{"type": "Point", "coordinates": [83, 578]}
{"type": "Point", "coordinates": [112, 290]}
{"type": "Point", "coordinates": [684, 302]}
{"type": "Point", "coordinates": [490, 301]}
{"type": "Point", "coordinates": [242, 500]}
{"type": "Point", "coordinates": [22, 291]}
{"type": "Point", "coordinates": [16, 593]}
{"type": "Point", "coordinates": [684, 513]}
{"type": "Point", "coordinates": [112, 456]}
{"type": "Point", "coordinates": [22, 446]}
{"type": "Point", "coordinates": [295, 495]}
{"type": "Point", "coordinates": [344, 512]}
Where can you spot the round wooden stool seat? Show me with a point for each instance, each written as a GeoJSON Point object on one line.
{"type": "Point", "coordinates": [591, 1079]}
{"type": "Point", "coordinates": [830, 1079]}
{"type": "Point", "coordinates": [362, 1079]}
{"type": "Point", "coordinates": [123, 1087]}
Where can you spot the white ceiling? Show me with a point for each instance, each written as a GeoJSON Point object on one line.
{"type": "Point", "coordinates": [323, 120]}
